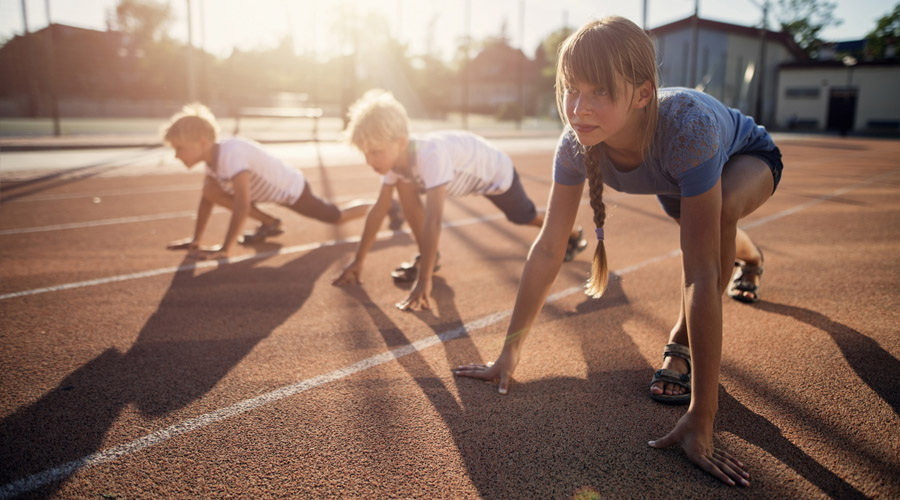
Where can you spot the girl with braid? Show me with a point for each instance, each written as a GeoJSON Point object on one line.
{"type": "Point", "coordinates": [708, 164]}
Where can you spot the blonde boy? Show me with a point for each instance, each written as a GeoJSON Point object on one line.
{"type": "Point", "coordinates": [239, 174]}
{"type": "Point", "coordinates": [438, 164]}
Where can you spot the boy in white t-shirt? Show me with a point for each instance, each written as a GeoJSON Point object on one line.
{"type": "Point", "coordinates": [239, 174]}
{"type": "Point", "coordinates": [437, 164]}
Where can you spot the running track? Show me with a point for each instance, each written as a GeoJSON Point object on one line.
{"type": "Point", "coordinates": [129, 372]}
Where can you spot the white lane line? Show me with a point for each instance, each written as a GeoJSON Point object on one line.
{"type": "Point", "coordinates": [48, 476]}
{"type": "Point", "coordinates": [105, 194]}
{"type": "Point", "coordinates": [104, 222]}
{"type": "Point", "coordinates": [128, 220]}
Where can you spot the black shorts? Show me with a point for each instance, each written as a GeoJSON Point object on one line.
{"type": "Point", "coordinates": [515, 204]}
{"type": "Point", "coordinates": [671, 203]}
{"type": "Point", "coordinates": [312, 206]}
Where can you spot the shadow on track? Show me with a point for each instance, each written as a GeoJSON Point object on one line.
{"type": "Point", "coordinates": [205, 324]}
{"type": "Point", "coordinates": [874, 366]}
{"type": "Point", "coordinates": [561, 436]}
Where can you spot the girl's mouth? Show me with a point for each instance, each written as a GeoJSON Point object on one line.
{"type": "Point", "coordinates": [583, 129]}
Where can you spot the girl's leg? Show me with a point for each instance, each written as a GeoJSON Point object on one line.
{"type": "Point", "coordinates": [747, 183]}
{"type": "Point", "coordinates": [214, 193]}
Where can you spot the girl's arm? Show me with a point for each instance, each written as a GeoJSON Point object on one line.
{"type": "Point", "coordinates": [428, 247]}
{"type": "Point", "coordinates": [544, 260]}
{"type": "Point", "coordinates": [701, 254]}
{"type": "Point", "coordinates": [351, 274]}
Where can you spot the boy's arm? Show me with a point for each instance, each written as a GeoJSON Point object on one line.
{"type": "Point", "coordinates": [239, 210]}
{"type": "Point", "coordinates": [428, 247]}
{"type": "Point", "coordinates": [374, 219]}
{"type": "Point", "coordinates": [204, 210]}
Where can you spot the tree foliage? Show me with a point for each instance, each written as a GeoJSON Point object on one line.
{"type": "Point", "coordinates": [145, 21]}
{"type": "Point", "coordinates": [805, 19]}
{"type": "Point", "coordinates": [886, 33]}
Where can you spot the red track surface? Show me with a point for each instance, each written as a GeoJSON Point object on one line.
{"type": "Point", "coordinates": [258, 378]}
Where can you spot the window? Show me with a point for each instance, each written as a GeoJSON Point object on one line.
{"type": "Point", "coordinates": [802, 92]}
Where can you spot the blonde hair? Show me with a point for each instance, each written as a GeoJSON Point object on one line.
{"type": "Point", "coordinates": [194, 122]}
{"type": "Point", "coordinates": [598, 54]}
{"type": "Point", "coordinates": [375, 118]}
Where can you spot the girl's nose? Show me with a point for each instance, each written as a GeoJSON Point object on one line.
{"type": "Point", "coordinates": [581, 105]}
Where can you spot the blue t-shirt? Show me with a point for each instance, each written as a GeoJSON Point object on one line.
{"type": "Point", "coordinates": [695, 136]}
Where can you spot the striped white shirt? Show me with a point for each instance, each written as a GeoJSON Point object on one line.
{"type": "Point", "coordinates": [465, 162]}
{"type": "Point", "coordinates": [270, 179]}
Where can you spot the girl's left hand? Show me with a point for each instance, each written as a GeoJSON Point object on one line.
{"type": "Point", "coordinates": [695, 436]}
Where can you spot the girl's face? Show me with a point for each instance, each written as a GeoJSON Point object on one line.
{"type": "Point", "coordinates": [593, 114]}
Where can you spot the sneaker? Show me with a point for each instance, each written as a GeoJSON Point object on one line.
{"type": "Point", "coordinates": [576, 245]}
{"type": "Point", "coordinates": [395, 216]}
{"type": "Point", "coordinates": [262, 232]}
{"type": "Point", "coordinates": [409, 271]}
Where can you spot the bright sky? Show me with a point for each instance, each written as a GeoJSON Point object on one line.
{"type": "Point", "coordinates": [220, 25]}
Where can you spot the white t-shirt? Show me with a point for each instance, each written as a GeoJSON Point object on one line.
{"type": "Point", "coordinates": [270, 179]}
{"type": "Point", "coordinates": [465, 162]}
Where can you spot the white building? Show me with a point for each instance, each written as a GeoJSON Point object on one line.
{"type": "Point", "coordinates": [725, 62]}
{"type": "Point", "coordinates": [831, 95]}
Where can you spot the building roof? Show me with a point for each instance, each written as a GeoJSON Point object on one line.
{"type": "Point", "coordinates": [748, 31]}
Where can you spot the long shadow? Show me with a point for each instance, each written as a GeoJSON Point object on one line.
{"type": "Point", "coordinates": [19, 189]}
{"type": "Point", "coordinates": [875, 366]}
{"type": "Point", "coordinates": [584, 434]}
{"type": "Point", "coordinates": [205, 324]}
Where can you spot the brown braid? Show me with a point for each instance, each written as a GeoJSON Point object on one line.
{"type": "Point", "coordinates": [596, 284]}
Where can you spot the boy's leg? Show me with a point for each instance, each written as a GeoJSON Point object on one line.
{"type": "Point", "coordinates": [310, 205]}
{"type": "Point", "coordinates": [747, 183]}
{"type": "Point", "coordinates": [519, 209]}
{"type": "Point", "coordinates": [214, 193]}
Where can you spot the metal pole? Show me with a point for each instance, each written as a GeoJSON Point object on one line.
{"type": "Point", "coordinates": [191, 77]}
{"type": "Point", "coordinates": [695, 29]}
{"type": "Point", "coordinates": [521, 113]}
{"type": "Point", "coordinates": [51, 64]}
{"type": "Point", "coordinates": [466, 69]}
{"type": "Point", "coordinates": [760, 81]}
{"type": "Point", "coordinates": [24, 18]}
{"type": "Point", "coordinates": [644, 13]}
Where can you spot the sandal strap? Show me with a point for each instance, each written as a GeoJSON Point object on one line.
{"type": "Point", "coordinates": [671, 376]}
{"type": "Point", "coordinates": [679, 351]}
{"type": "Point", "coordinates": [748, 269]}
{"type": "Point", "coordinates": [745, 286]}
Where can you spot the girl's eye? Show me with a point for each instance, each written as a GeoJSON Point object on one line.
{"type": "Point", "coordinates": [599, 92]}
{"type": "Point", "coordinates": [571, 90]}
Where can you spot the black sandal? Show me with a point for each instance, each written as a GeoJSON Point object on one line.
{"type": "Point", "coordinates": [740, 284]}
{"type": "Point", "coordinates": [409, 271]}
{"type": "Point", "coordinates": [575, 245]}
{"type": "Point", "coordinates": [673, 377]}
{"type": "Point", "coordinates": [262, 232]}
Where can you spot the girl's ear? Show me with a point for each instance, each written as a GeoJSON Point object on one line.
{"type": "Point", "coordinates": [643, 94]}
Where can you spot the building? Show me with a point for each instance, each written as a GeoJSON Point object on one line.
{"type": "Point", "coordinates": [845, 96]}
{"type": "Point", "coordinates": [727, 62]}
{"type": "Point", "coordinates": [499, 77]}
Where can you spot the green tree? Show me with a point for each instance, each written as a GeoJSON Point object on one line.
{"type": "Point", "coordinates": [805, 19]}
{"type": "Point", "coordinates": [144, 20]}
{"type": "Point", "coordinates": [885, 34]}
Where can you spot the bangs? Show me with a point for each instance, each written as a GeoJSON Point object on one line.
{"type": "Point", "coordinates": [580, 61]}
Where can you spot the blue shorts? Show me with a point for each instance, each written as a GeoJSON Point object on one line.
{"type": "Point", "coordinates": [671, 203]}
{"type": "Point", "coordinates": [515, 204]}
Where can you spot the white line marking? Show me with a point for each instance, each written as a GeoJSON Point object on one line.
{"type": "Point", "coordinates": [48, 476]}
{"type": "Point", "coordinates": [104, 222]}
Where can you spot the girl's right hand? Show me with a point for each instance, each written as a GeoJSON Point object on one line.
{"type": "Point", "coordinates": [501, 370]}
